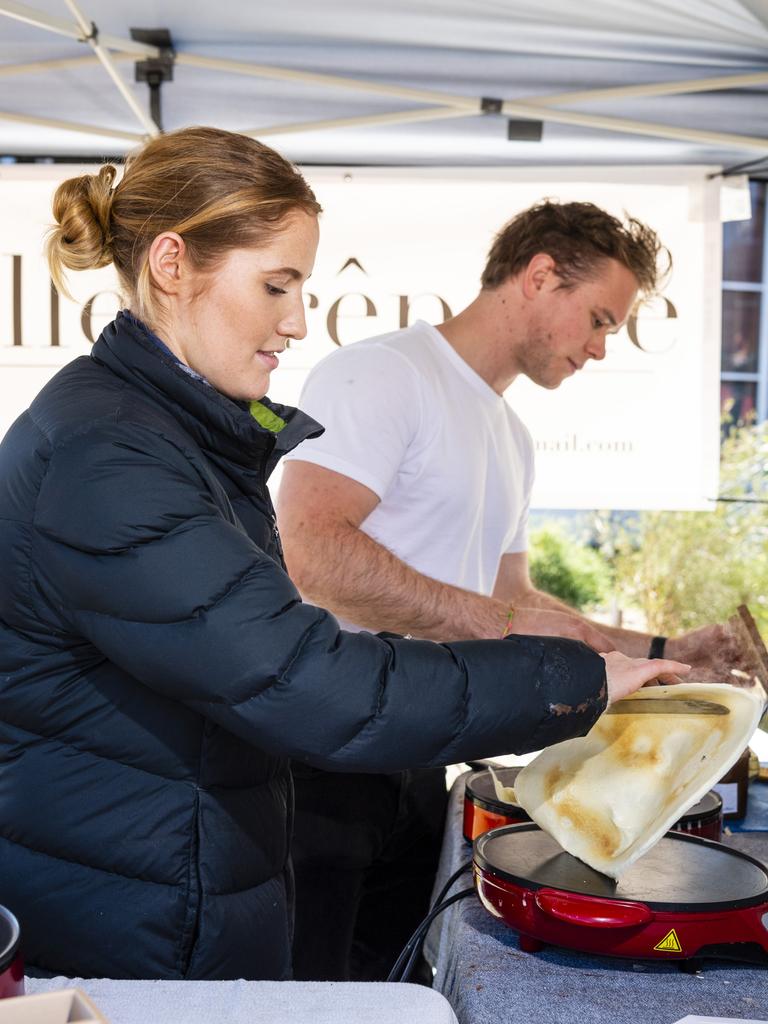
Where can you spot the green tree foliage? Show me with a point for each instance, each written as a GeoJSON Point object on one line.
{"type": "Point", "coordinates": [576, 574]}
{"type": "Point", "coordinates": [685, 569]}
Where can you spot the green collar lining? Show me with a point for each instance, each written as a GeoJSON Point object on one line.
{"type": "Point", "coordinates": [268, 419]}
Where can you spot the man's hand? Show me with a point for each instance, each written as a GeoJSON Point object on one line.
{"type": "Point", "coordinates": [544, 622]}
{"type": "Point", "coordinates": [711, 651]}
{"type": "Point", "coordinates": [625, 675]}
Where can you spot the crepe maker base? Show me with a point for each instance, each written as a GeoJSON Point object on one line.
{"type": "Point", "coordinates": [686, 898]}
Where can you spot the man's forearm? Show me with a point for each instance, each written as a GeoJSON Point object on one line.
{"type": "Point", "coordinates": [343, 569]}
{"type": "Point", "coordinates": [340, 567]}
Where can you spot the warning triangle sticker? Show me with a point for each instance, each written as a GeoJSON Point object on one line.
{"type": "Point", "coordinates": [670, 943]}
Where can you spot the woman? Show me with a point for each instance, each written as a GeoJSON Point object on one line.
{"type": "Point", "coordinates": [157, 667]}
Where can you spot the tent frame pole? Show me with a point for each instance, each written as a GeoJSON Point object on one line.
{"type": "Point", "coordinates": [21, 12]}
{"type": "Point", "coordinates": [91, 36]}
{"type": "Point", "coordinates": [71, 126]}
{"type": "Point", "coordinates": [395, 117]}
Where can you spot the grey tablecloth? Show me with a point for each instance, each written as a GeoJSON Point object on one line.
{"type": "Point", "coordinates": [257, 1002]}
{"type": "Point", "coordinates": [489, 980]}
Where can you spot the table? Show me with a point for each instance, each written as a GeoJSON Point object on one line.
{"type": "Point", "coordinates": [488, 979]}
{"type": "Point", "coordinates": [256, 1002]}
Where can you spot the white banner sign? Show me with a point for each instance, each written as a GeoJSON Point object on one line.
{"type": "Point", "coordinates": [639, 430]}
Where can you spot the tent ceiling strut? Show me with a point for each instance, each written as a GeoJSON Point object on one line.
{"type": "Point", "coordinates": [439, 105]}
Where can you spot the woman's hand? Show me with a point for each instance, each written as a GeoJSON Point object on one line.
{"type": "Point", "coordinates": [625, 675]}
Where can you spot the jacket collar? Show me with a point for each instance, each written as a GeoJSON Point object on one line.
{"type": "Point", "coordinates": [218, 424]}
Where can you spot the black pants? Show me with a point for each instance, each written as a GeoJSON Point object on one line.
{"type": "Point", "coordinates": [365, 852]}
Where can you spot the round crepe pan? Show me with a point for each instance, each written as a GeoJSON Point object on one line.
{"type": "Point", "coordinates": [686, 897]}
{"type": "Point", "coordinates": [484, 811]}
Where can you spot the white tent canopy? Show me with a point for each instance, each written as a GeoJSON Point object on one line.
{"type": "Point", "coordinates": [361, 82]}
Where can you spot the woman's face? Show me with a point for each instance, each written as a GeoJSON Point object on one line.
{"type": "Point", "coordinates": [230, 324]}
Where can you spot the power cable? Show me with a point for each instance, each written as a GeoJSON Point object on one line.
{"type": "Point", "coordinates": [405, 963]}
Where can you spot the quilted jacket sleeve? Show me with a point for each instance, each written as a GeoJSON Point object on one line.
{"type": "Point", "coordinates": [132, 552]}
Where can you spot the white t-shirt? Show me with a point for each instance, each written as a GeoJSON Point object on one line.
{"type": "Point", "coordinates": [450, 461]}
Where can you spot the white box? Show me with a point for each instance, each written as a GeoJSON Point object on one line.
{"type": "Point", "coordinates": [62, 1007]}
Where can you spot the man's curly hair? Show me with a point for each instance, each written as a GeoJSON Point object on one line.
{"type": "Point", "coordinates": [579, 237]}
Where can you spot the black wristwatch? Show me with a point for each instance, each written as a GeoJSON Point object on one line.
{"type": "Point", "coordinates": [657, 647]}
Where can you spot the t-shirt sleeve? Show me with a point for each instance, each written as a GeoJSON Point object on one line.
{"type": "Point", "coordinates": [367, 397]}
{"type": "Point", "coordinates": [519, 540]}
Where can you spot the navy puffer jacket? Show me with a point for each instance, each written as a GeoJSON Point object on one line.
{"type": "Point", "coordinates": [158, 669]}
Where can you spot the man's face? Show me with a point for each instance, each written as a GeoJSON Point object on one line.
{"type": "Point", "coordinates": [568, 326]}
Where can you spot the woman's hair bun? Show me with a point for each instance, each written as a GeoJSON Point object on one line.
{"type": "Point", "coordinates": [219, 190]}
{"type": "Point", "coordinates": [81, 239]}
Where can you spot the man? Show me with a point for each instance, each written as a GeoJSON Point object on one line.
{"type": "Point", "coordinates": [410, 515]}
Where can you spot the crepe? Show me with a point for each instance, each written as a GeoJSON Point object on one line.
{"type": "Point", "coordinates": [504, 794]}
{"type": "Point", "coordinates": [607, 797]}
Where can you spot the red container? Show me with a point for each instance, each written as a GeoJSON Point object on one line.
{"type": "Point", "coordinates": [483, 811]}
{"type": "Point", "coordinates": [11, 964]}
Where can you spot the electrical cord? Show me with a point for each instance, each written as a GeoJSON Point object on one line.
{"type": "Point", "coordinates": [407, 960]}
{"type": "Point", "coordinates": [412, 947]}
{"type": "Point", "coordinates": [466, 866]}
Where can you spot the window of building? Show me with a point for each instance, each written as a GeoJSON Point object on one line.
{"type": "Point", "coordinates": [744, 361]}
